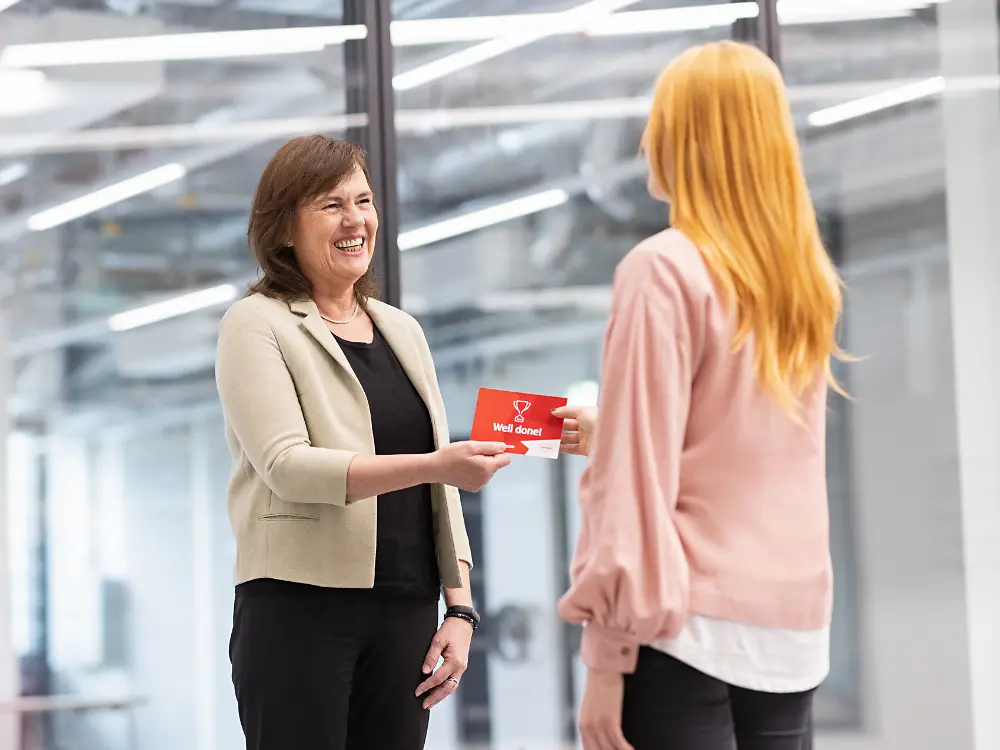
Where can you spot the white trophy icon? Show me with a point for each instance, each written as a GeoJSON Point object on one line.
{"type": "Point", "coordinates": [521, 406]}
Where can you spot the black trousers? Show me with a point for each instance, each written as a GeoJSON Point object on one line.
{"type": "Point", "coordinates": [330, 669]}
{"type": "Point", "coordinates": [671, 706]}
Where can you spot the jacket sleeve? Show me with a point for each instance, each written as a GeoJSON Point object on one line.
{"type": "Point", "coordinates": [456, 517]}
{"type": "Point", "coordinates": [630, 575]}
{"type": "Point", "coordinates": [262, 407]}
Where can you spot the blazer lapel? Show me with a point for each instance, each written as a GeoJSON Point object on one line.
{"type": "Point", "coordinates": [314, 324]}
{"type": "Point", "coordinates": [409, 356]}
{"type": "Point", "coordinates": [406, 352]}
{"type": "Point", "coordinates": [399, 340]}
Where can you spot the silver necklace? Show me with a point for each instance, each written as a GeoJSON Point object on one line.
{"type": "Point", "coordinates": [342, 322]}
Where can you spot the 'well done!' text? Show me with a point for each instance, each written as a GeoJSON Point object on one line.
{"type": "Point", "coordinates": [518, 430]}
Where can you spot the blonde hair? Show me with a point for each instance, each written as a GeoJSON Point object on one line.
{"type": "Point", "coordinates": [721, 146]}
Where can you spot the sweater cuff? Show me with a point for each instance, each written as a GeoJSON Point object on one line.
{"type": "Point", "coordinates": [608, 650]}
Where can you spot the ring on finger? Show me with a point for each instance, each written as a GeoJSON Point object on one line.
{"type": "Point", "coordinates": [454, 679]}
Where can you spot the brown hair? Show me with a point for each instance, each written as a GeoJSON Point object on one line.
{"type": "Point", "coordinates": [300, 171]}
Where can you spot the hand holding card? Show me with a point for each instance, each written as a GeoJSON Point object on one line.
{"type": "Point", "coordinates": [578, 428]}
{"type": "Point", "coordinates": [469, 465]}
{"type": "Point", "coordinates": [523, 421]}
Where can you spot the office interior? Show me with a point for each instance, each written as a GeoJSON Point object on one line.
{"type": "Point", "coordinates": [503, 137]}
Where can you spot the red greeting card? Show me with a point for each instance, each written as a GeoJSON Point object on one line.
{"type": "Point", "coordinates": [523, 421]}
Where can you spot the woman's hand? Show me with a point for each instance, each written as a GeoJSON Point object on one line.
{"type": "Point", "coordinates": [468, 465]}
{"type": "Point", "coordinates": [578, 429]}
{"type": "Point", "coordinates": [451, 643]}
{"type": "Point", "coordinates": [601, 712]}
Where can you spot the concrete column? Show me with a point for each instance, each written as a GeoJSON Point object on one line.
{"type": "Point", "coordinates": [9, 688]}
{"type": "Point", "coordinates": [204, 605]}
{"type": "Point", "coordinates": [970, 59]}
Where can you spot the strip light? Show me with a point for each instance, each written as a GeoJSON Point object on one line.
{"type": "Point", "coordinates": [574, 19]}
{"type": "Point", "coordinates": [442, 230]}
{"type": "Point", "coordinates": [13, 172]}
{"type": "Point", "coordinates": [876, 102]}
{"type": "Point", "coordinates": [195, 46]}
{"type": "Point", "coordinates": [482, 218]}
{"type": "Point", "coordinates": [794, 12]}
{"type": "Point", "coordinates": [225, 293]}
{"type": "Point", "coordinates": [673, 19]}
{"type": "Point", "coordinates": [251, 43]}
{"type": "Point", "coordinates": [173, 307]}
{"type": "Point", "coordinates": [811, 17]}
{"type": "Point", "coordinates": [24, 91]}
{"type": "Point", "coordinates": [106, 196]}
{"type": "Point", "coordinates": [805, 12]}
{"type": "Point", "coordinates": [418, 32]}
{"type": "Point", "coordinates": [500, 30]}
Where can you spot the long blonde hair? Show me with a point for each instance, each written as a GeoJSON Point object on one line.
{"type": "Point", "coordinates": [721, 146]}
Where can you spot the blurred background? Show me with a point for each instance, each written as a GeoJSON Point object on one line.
{"type": "Point", "coordinates": [503, 136]}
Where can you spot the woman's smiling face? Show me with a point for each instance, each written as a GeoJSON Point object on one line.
{"type": "Point", "coordinates": [334, 234]}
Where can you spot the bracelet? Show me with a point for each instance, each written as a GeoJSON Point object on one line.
{"type": "Point", "coordinates": [464, 613]}
{"type": "Point", "coordinates": [462, 617]}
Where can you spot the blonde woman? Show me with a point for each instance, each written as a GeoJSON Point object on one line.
{"type": "Point", "coordinates": [702, 574]}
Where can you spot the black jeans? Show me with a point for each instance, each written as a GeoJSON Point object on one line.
{"type": "Point", "coordinates": [671, 706]}
{"type": "Point", "coordinates": [330, 669]}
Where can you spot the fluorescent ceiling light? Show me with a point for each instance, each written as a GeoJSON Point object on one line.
{"type": "Point", "coordinates": [501, 30]}
{"type": "Point", "coordinates": [415, 121]}
{"type": "Point", "coordinates": [4, 4]}
{"type": "Point", "coordinates": [818, 11]}
{"type": "Point", "coordinates": [24, 91]}
{"type": "Point", "coordinates": [574, 19]}
{"type": "Point", "coordinates": [196, 46]}
{"type": "Point", "coordinates": [673, 19]}
{"type": "Point", "coordinates": [790, 12]}
{"type": "Point", "coordinates": [107, 196]}
{"type": "Point", "coordinates": [835, 15]}
{"type": "Point", "coordinates": [163, 136]}
{"type": "Point", "coordinates": [171, 308]}
{"type": "Point", "coordinates": [877, 102]}
{"type": "Point", "coordinates": [418, 32]}
{"type": "Point", "coordinates": [480, 28]}
{"type": "Point", "coordinates": [11, 173]}
{"type": "Point", "coordinates": [481, 219]}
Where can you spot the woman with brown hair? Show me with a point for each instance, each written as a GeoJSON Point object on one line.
{"type": "Point", "coordinates": [342, 495]}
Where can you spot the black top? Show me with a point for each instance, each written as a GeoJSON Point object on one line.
{"type": "Point", "coordinates": [405, 555]}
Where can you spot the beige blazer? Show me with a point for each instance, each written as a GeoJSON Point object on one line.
{"type": "Point", "coordinates": [296, 416]}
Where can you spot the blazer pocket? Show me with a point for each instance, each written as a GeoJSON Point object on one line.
{"type": "Point", "coordinates": [285, 517]}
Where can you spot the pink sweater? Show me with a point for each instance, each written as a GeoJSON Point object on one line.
{"type": "Point", "coordinates": [701, 495]}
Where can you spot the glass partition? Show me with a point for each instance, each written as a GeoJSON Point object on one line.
{"type": "Point", "coordinates": [132, 134]}
{"type": "Point", "coordinates": [865, 82]}
{"type": "Point", "coordinates": [520, 189]}
{"type": "Point", "coordinates": [127, 165]}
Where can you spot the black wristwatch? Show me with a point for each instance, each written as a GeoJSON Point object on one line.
{"type": "Point", "coordinates": [464, 613]}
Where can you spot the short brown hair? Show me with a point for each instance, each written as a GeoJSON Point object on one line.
{"type": "Point", "coordinates": [300, 171]}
